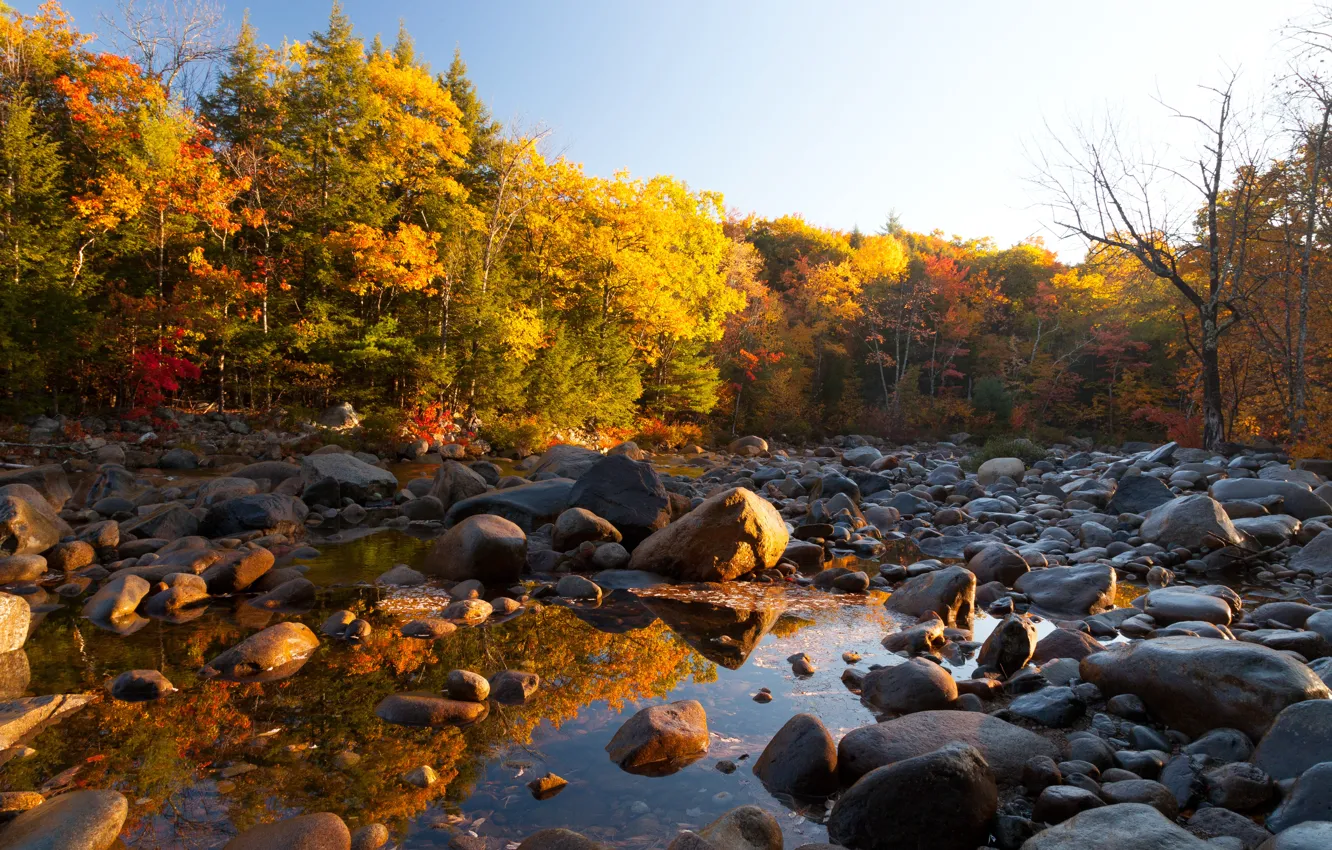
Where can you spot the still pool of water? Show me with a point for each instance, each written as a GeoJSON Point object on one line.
{"type": "Point", "coordinates": [215, 758]}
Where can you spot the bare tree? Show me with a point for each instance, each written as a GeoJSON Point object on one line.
{"type": "Point", "coordinates": [176, 41]}
{"type": "Point", "coordinates": [1308, 112]}
{"type": "Point", "coordinates": [1101, 190]}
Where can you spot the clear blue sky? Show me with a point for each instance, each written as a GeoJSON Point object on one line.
{"type": "Point", "coordinates": [836, 110]}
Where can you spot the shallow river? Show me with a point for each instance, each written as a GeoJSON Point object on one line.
{"type": "Point", "coordinates": [215, 757]}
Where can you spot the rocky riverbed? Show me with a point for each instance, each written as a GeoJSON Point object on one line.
{"type": "Point", "coordinates": [248, 640]}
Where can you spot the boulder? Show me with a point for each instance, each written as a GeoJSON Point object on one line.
{"type": "Point", "coordinates": [528, 506]}
{"type": "Point", "coordinates": [943, 800]}
{"type": "Point", "coordinates": [1316, 556]}
{"type": "Point", "coordinates": [319, 831]}
{"type": "Point", "coordinates": [949, 592]}
{"type": "Point", "coordinates": [28, 525]}
{"type": "Point", "coordinates": [78, 820]}
{"type": "Point", "coordinates": [1199, 684]}
{"type": "Point", "coordinates": [487, 548]}
{"type": "Point", "coordinates": [1138, 494]}
{"type": "Point", "coordinates": [268, 512]}
{"type": "Point", "coordinates": [1297, 499]}
{"type": "Point", "coordinates": [567, 461]}
{"type": "Point", "coordinates": [1073, 592]}
{"type": "Point", "coordinates": [1171, 605]}
{"type": "Point", "coordinates": [49, 480]}
{"type": "Point", "coordinates": [178, 459]}
{"type": "Point", "coordinates": [1000, 467]}
{"type": "Point", "coordinates": [1300, 737]}
{"type": "Point", "coordinates": [579, 525]}
{"type": "Point", "coordinates": [1194, 522]}
{"type": "Point", "coordinates": [15, 621]}
{"type": "Point", "coordinates": [750, 446]}
{"type": "Point", "coordinates": [117, 600]}
{"type": "Point", "coordinates": [455, 482]}
{"type": "Point", "coordinates": [274, 653]}
{"type": "Point", "coordinates": [20, 717]}
{"type": "Point", "coordinates": [745, 828]}
{"type": "Point", "coordinates": [17, 569]}
{"type": "Point", "coordinates": [339, 416]}
{"type": "Point", "coordinates": [800, 760]}
{"type": "Point", "coordinates": [1124, 826]}
{"type": "Point", "coordinates": [998, 563]}
{"type": "Point", "coordinates": [1006, 747]}
{"type": "Point", "coordinates": [357, 480]}
{"type": "Point", "coordinates": [1310, 835]}
{"type": "Point", "coordinates": [732, 533]}
{"type": "Point", "coordinates": [661, 739]}
{"type": "Point", "coordinates": [915, 685]}
{"type": "Point", "coordinates": [626, 493]}
{"type": "Point", "coordinates": [1009, 647]}
{"type": "Point", "coordinates": [237, 569]}
{"type": "Point", "coordinates": [557, 838]}
{"type": "Point", "coordinates": [1065, 643]}
{"type": "Point", "coordinates": [1309, 800]}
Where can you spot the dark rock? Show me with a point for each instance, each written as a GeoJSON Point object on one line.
{"type": "Point", "coordinates": [1138, 494]}
{"type": "Point", "coordinates": [528, 506]}
{"type": "Point", "coordinates": [915, 685]}
{"type": "Point", "coordinates": [626, 493]}
{"type": "Point", "coordinates": [487, 548]}
{"type": "Point", "coordinates": [1125, 826]}
{"type": "Point", "coordinates": [1070, 591]}
{"type": "Point", "coordinates": [141, 686]}
{"type": "Point", "coordinates": [944, 800]}
{"type": "Point", "coordinates": [1006, 747]}
{"type": "Point", "coordinates": [1199, 684]}
{"type": "Point", "coordinates": [800, 760]}
{"type": "Point", "coordinates": [1300, 737]}
{"type": "Point", "coordinates": [1009, 647]}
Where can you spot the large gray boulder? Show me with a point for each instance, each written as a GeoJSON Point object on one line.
{"type": "Point", "coordinates": [274, 471]}
{"type": "Point", "coordinates": [1298, 499]}
{"type": "Point", "coordinates": [1300, 738]}
{"type": "Point", "coordinates": [1199, 684]}
{"type": "Point", "coordinates": [1195, 522]}
{"type": "Point", "coordinates": [1316, 556]}
{"type": "Point", "coordinates": [732, 533]}
{"type": "Point", "coordinates": [1124, 826]}
{"type": "Point", "coordinates": [487, 548]}
{"type": "Point", "coordinates": [268, 512]}
{"type": "Point", "coordinates": [455, 482]}
{"type": "Point", "coordinates": [357, 480]}
{"type": "Point", "coordinates": [1006, 747]}
{"type": "Point", "coordinates": [78, 820]}
{"type": "Point", "coordinates": [627, 494]}
{"type": "Point", "coordinates": [528, 506]}
{"type": "Point", "coordinates": [567, 461]}
{"type": "Point", "coordinates": [339, 416]}
{"type": "Point", "coordinates": [943, 800]}
{"type": "Point", "coordinates": [1138, 494]}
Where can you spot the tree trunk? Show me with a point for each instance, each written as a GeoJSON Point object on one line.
{"type": "Point", "coordinates": [1213, 417]}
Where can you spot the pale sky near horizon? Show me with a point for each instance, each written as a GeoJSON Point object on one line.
{"type": "Point", "coordinates": [839, 111]}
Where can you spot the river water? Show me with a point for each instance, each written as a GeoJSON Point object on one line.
{"type": "Point", "coordinates": [215, 758]}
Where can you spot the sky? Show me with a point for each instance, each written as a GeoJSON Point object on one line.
{"type": "Point", "coordinates": [839, 111]}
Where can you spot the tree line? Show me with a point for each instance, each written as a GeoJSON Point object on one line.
{"type": "Point", "coordinates": [331, 219]}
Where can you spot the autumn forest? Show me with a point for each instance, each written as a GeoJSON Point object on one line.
{"type": "Point", "coordinates": [332, 219]}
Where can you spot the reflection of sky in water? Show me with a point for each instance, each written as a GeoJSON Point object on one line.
{"type": "Point", "coordinates": [328, 705]}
